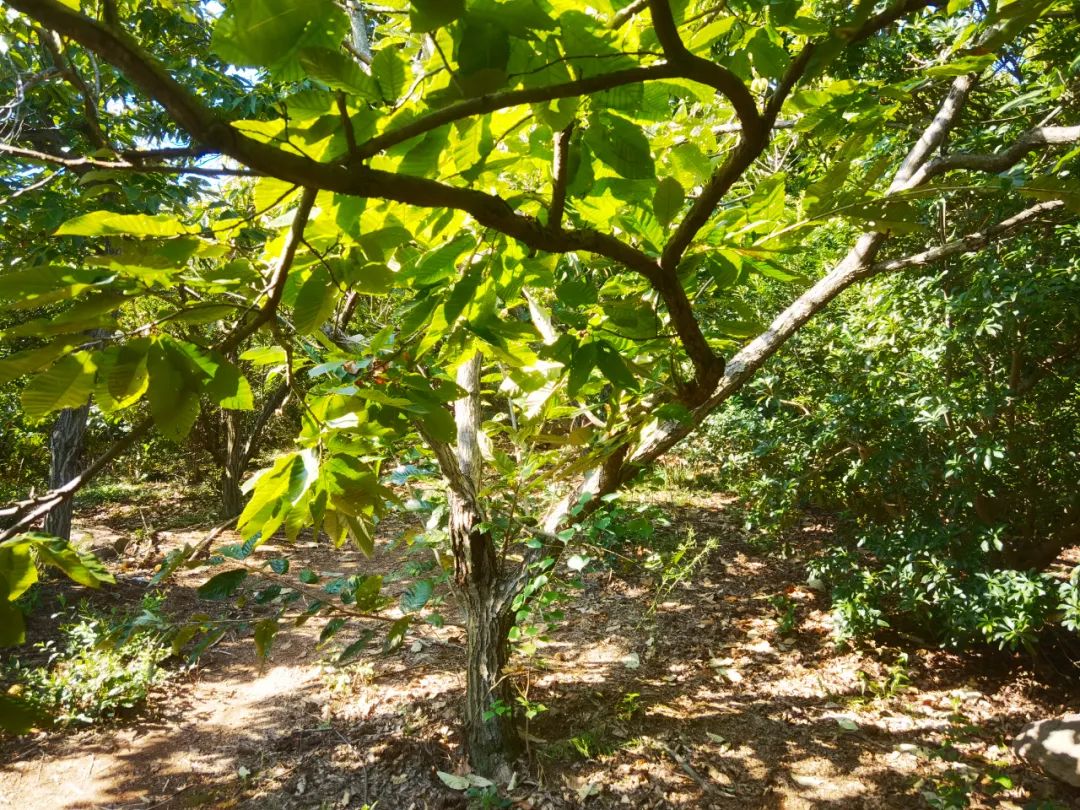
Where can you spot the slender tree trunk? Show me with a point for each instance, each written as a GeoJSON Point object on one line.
{"type": "Point", "coordinates": [491, 736]}
{"type": "Point", "coordinates": [232, 470]}
{"type": "Point", "coordinates": [65, 450]}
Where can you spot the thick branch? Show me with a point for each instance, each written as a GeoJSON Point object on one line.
{"type": "Point", "coordinates": [205, 127]}
{"type": "Point", "coordinates": [998, 162]}
{"type": "Point", "coordinates": [85, 163]}
{"type": "Point", "coordinates": [513, 98]}
{"type": "Point", "coordinates": [965, 244]}
{"type": "Point", "coordinates": [705, 71]}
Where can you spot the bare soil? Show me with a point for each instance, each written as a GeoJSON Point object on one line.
{"type": "Point", "coordinates": [726, 692]}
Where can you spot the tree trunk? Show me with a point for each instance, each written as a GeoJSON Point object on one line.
{"type": "Point", "coordinates": [234, 462]}
{"type": "Point", "coordinates": [65, 449]}
{"type": "Point", "coordinates": [491, 736]}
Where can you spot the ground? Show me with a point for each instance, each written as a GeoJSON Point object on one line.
{"type": "Point", "coordinates": [723, 689]}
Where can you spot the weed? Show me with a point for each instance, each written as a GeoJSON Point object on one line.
{"type": "Point", "coordinates": [785, 608]}
{"type": "Point", "coordinates": [679, 565]}
{"type": "Point", "coordinates": [102, 664]}
{"type": "Point", "coordinates": [895, 681]}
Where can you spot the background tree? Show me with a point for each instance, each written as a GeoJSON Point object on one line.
{"type": "Point", "coordinates": [555, 198]}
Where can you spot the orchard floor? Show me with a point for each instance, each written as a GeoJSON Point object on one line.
{"type": "Point", "coordinates": [730, 694]}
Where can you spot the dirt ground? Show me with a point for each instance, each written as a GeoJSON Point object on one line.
{"type": "Point", "coordinates": [728, 693]}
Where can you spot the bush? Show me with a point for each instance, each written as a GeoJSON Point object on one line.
{"type": "Point", "coordinates": [938, 422]}
{"type": "Point", "coordinates": [100, 666]}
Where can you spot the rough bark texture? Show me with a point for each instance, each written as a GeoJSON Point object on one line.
{"type": "Point", "coordinates": [490, 734]}
{"type": "Point", "coordinates": [232, 470]}
{"type": "Point", "coordinates": [65, 450]}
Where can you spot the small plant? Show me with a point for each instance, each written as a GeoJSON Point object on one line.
{"type": "Point", "coordinates": [679, 565]}
{"type": "Point", "coordinates": [101, 665]}
{"type": "Point", "coordinates": [894, 682]}
{"type": "Point", "coordinates": [785, 608]}
{"type": "Point", "coordinates": [629, 706]}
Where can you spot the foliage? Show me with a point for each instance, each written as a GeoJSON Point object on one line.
{"type": "Point", "coordinates": [101, 665]}
{"type": "Point", "coordinates": [935, 419]}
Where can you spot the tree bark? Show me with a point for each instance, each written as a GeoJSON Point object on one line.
{"type": "Point", "coordinates": [491, 736]}
{"type": "Point", "coordinates": [65, 450]}
{"type": "Point", "coordinates": [232, 470]}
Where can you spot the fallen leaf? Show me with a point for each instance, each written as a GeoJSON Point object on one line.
{"type": "Point", "coordinates": [453, 781]}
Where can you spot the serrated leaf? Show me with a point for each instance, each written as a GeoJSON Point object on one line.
{"type": "Point", "coordinates": [108, 223]}
{"type": "Point", "coordinates": [264, 637]}
{"type": "Point", "coordinates": [172, 393]}
{"type": "Point", "coordinates": [223, 585]}
{"type": "Point", "coordinates": [389, 73]}
{"type": "Point", "coordinates": [621, 145]}
{"type": "Point", "coordinates": [417, 595]}
{"type": "Point", "coordinates": [30, 360]}
{"type": "Point", "coordinates": [668, 200]}
{"type": "Point", "coordinates": [67, 384]}
{"type": "Point", "coordinates": [314, 301]}
{"type": "Point", "coordinates": [79, 566]}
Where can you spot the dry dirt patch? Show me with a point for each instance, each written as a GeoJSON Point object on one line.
{"type": "Point", "coordinates": [729, 694]}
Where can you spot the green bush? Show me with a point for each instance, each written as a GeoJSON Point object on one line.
{"type": "Point", "coordinates": [937, 421]}
{"type": "Point", "coordinates": [101, 665]}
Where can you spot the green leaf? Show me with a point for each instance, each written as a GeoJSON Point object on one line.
{"type": "Point", "coordinates": [963, 65]}
{"type": "Point", "coordinates": [223, 384]}
{"type": "Point", "coordinates": [125, 376]}
{"type": "Point", "coordinates": [223, 585]}
{"type": "Point", "coordinates": [264, 637]}
{"type": "Point", "coordinates": [356, 647]}
{"type": "Point", "coordinates": [768, 58]}
{"type": "Point", "coordinates": [668, 200]}
{"type": "Point", "coordinates": [339, 72]}
{"type": "Point", "coordinates": [429, 15]}
{"type": "Point", "coordinates": [331, 628]}
{"type": "Point", "coordinates": [314, 301]}
{"type": "Point", "coordinates": [417, 595]}
{"type": "Point", "coordinates": [47, 285]}
{"type": "Point", "coordinates": [308, 577]}
{"type": "Point", "coordinates": [613, 367]}
{"type": "Point", "coordinates": [581, 365]}
{"type": "Point", "coordinates": [68, 384]}
{"type": "Point", "coordinates": [389, 73]}
{"type": "Point", "coordinates": [30, 360]}
{"type": "Point", "coordinates": [109, 223]}
{"type": "Point", "coordinates": [279, 565]}
{"type": "Point", "coordinates": [395, 636]}
{"type": "Point", "coordinates": [483, 56]}
{"type": "Point", "coordinates": [621, 145]}
{"type": "Point", "coordinates": [173, 394]}
{"type": "Point", "coordinates": [17, 568]}
{"type": "Point", "coordinates": [265, 355]}
{"type": "Point", "coordinates": [81, 567]}
{"type": "Point", "coordinates": [262, 32]}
